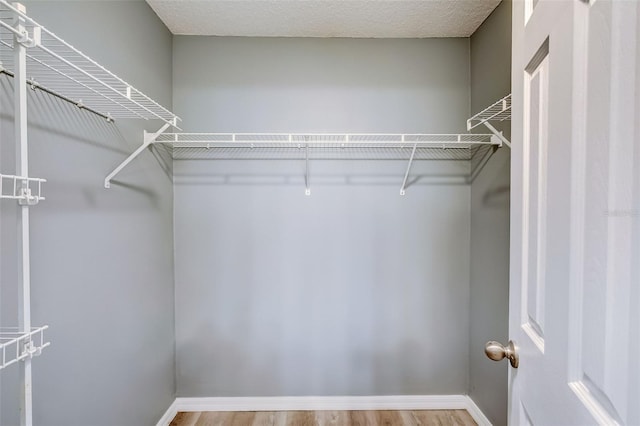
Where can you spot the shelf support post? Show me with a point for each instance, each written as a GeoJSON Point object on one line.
{"type": "Point", "coordinates": [22, 169]}
{"type": "Point", "coordinates": [149, 138]}
{"type": "Point", "coordinates": [406, 174]}
{"type": "Point", "coordinates": [307, 190]}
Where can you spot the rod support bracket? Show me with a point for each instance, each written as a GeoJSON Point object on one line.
{"type": "Point", "coordinates": [497, 134]}
{"type": "Point", "coordinates": [307, 190]}
{"type": "Point", "coordinates": [26, 198]}
{"type": "Point", "coordinates": [31, 350]}
{"type": "Point", "coordinates": [406, 174]}
{"type": "Point", "coordinates": [23, 37]}
{"type": "Point", "coordinates": [148, 139]}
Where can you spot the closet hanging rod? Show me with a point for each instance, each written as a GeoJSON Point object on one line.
{"type": "Point", "coordinates": [34, 85]}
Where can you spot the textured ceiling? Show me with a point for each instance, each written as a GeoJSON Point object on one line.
{"type": "Point", "coordinates": [324, 18]}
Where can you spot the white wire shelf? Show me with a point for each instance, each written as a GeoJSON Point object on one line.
{"type": "Point", "coordinates": [472, 148]}
{"type": "Point", "coordinates": [315, 146]}
{"type": "Point", "coordinates": [475, 149]}
{"type": "Point", "coordinates": [16, 345]}
{"type": "Point", "coordinates": [498, 111]}
{"type": "Point", "coordinates": [22, 189]}
{"type": "Point", "coordinates": [63, 69]}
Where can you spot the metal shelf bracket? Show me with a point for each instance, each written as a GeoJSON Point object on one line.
{"type": "Point", "coordinates": [26, 198]}
{"type": "Point", "coordinates": [406, 174]}
{"type": "Point", "coordinates": [148, 139]}
{"type": "Point", "coordinates": [22, 35]}
{"type": "Point", "coordinates": [307, 190]}
{"type": "Point", "coordinates": [27, 191]}
{"type": "Point", "coordinates": [497, 134]}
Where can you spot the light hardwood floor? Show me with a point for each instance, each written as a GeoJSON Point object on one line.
{"type": "Point", "coordinates": [326, 418]}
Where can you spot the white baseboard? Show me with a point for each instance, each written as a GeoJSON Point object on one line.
{"type": "Point", "coordinates": [333, 403]}
{"type": "Point", "coordinates": [476, 413]}
{"type": "Point", "coordinates": [168, 415]}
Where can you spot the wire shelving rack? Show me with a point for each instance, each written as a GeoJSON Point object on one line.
{"type": "Point", "coordinates": [498, 111]}
{"type": "Point", "coordinates": [334, 146]}
{"type": "Point", "coordinates": [65, 71]}
{"type": "Point", "coordinates": [323, 146]}
{"type": "Point", "coordinates": [331, 146]}
{"type": "Point", "coordinates": [35, 57]}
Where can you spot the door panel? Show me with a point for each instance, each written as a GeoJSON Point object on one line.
{"type": "Point", "coordinates": [604, 206]}
{"type": "Point", "coordinates": [536, 110]}
{"type": "Point", "coordinates": [541, 116]}
{"type": "Point", "coordinates": [575, 258]}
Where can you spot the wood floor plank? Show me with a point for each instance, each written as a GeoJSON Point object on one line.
{"type": "Point", "coordinates": [426, 418]}
{"type": "Point", "coordinates": [333, 418]}
{"type": "Point", "coordinates": [185, 419]}
{"type": "Point", "coordinates": [301, 418]}
{"type": "Point", "coordinates": [408, 419]}
{"type": "Point", "coordinates": [363, 418]}
{"type": "Point", "coordinates": [213, 418]}
{"type": "Point", "coordinates": [327, 418]}
{"type": "Point", "coordinates": [280, 418]}
{"type": "Point", "coordinates": [443, 418]}
{"type": "Point", "coordinates": [388, 418]}
{"type": "Point", "coordinates": [241, 418]}
{"type": "Point", "coordinates": [466, 418]}
{"type": "Point", "coordinates": [265, 418]}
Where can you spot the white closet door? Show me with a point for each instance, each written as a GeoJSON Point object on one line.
{"type": "Point", "coordinates": [575, 258]}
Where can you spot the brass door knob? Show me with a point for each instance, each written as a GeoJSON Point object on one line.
{"type": "Point", "coordinates": [497, 352]}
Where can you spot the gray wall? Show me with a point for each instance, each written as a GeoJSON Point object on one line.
{"type": "Point", "coordinates": [489, 309]}
{"type": "Point", "coordinates": [102, 260]}
{"type": "Point", "coordinates": [330, 85]}
{"type": "Point", "coordinates": [353, 290]}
